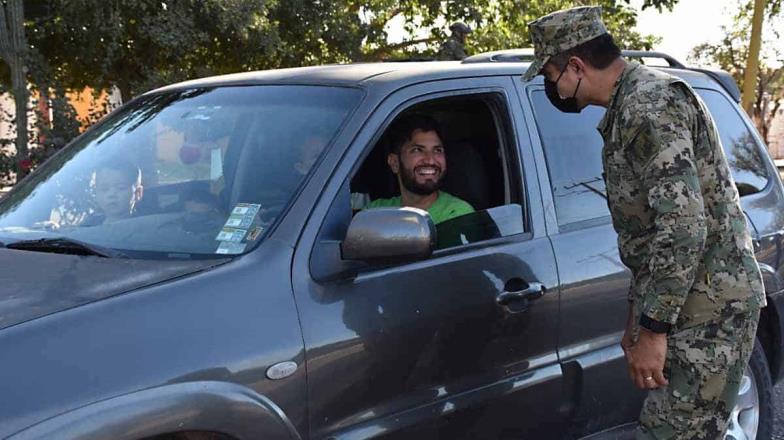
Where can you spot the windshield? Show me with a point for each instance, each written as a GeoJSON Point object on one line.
{"type": "Point", "coordinates": [183, 174]}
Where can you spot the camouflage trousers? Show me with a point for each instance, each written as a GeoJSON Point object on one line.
{"type": "Point", "coordinates": [704, 367]}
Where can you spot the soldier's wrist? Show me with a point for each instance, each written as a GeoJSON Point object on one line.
{"type": "Point", "coordinates": [654, 326]}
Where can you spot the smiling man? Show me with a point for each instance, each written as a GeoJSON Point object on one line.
{"type": "Point", "coordinates": [418, 158]}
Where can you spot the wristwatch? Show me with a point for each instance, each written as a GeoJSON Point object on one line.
{"type": "Point", "coordinates": [653, 325]}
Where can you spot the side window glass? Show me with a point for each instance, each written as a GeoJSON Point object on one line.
{"type": "Point", "coordinates": [500, 221]}
{"type": "Point", "coordinates": [740, 147]}
{"type": "Point", "coordinates": [573, 150]}
{"type": "Point", "coordinates": [465, 159]}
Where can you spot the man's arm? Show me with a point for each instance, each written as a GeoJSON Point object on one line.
{"type": "Point", "coordinates": [663, 156]}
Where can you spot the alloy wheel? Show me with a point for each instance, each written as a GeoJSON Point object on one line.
{"type": "Point", "coordinates": [744, 419]}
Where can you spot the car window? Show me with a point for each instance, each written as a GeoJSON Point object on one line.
{"type": "Point", "coordinates": [497, 222]}
{"type": "Point", "coordinates": [573, 151]}
{"type": "Point", "coordinates": [740, 147]}
{"type": "Point", "coordinates": [181, 174]}
{"type": "Point", "coordinates": [475, 132]}
{"type": "Point", "coordinates": [572, 148]}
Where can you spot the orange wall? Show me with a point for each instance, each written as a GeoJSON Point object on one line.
{"type": "Point", "coordinates": [83, 101]}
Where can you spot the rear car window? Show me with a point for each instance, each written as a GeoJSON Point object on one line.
{"type": "Point", "coordinates": [740, 146]}
{"type": "Point", "coordinates": [573, 150]}
{"type": "Point", "coordinates": [573, 146]}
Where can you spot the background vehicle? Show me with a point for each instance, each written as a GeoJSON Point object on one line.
{"type": "Point", "coordinates": [242, 299]}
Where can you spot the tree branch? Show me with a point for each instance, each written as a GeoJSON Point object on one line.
{"type": "Point", "coordinates": [389, 48]}
{"type": "Point", "coordinates": [388, 16]}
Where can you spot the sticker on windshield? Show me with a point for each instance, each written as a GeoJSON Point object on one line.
{"type": "Point", "coordinates": [239, 221]}
{"type": "Point", "coordinates": [254, 233]}
{"type": "Point", "coordinates": [249, 209]}
{"type": "Point", "coordinates": [231, 235]}
{"type": "Point", "coordinates": [227, 247]}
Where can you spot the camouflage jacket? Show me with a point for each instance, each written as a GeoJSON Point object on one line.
{"type": "Point", "coordinates": [674, 204]}
{"type": "Point", "coordinates": [452, 49]}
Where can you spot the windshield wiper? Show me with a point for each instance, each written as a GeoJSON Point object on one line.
{"type": "Point", "coordinates": [63, 245]}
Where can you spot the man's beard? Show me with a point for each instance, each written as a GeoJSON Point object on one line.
{"type": "Point", "coordinates": [408, 179]}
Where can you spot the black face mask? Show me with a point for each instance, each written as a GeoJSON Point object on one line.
{"type": "Point", "coordinates": [566, 105]}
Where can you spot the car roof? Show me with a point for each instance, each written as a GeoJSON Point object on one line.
{"type": "Point", "coordinates": [393, 75]}
{"type": "Point", "coordinates": [358, 74]}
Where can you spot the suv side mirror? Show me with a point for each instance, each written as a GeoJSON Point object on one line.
{"type": "Point", "coordinates": [389, 234]}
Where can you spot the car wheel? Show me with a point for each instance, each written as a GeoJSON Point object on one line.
{"type": "Point", "coordinates": [752, 417]}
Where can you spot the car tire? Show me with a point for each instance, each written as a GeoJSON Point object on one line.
{"type": "Point", "coordinates": [753, 412]}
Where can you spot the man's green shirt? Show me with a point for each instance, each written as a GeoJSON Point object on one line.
{"type": "Point", "coordinates": [445, 207]}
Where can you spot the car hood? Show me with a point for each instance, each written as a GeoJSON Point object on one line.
{"type": "Point", "coordinates": [34, 284]}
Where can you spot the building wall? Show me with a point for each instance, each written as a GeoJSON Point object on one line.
{"type": "Point", "coordinates": [83, 101]}
{"type": "Point", "coordinates": [7, 128]}
{"type": "Point", "coordinates": [776, 136]}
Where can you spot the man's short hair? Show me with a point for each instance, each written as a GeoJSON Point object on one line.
{"type": "Point", "coordinates": [599, 52]}
{"type": "Point", "coordinates": [128, 170]}
{"type": "Point", "coordinates": [403, 128]}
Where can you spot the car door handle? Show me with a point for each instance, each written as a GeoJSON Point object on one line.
{"type": "Point", "coordinates": [532, 292]}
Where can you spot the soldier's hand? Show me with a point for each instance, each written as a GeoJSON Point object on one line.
{"type": "Point", "coordinates": [628, 335]}
{"type": "Point", "coordinates": [626, 341]}
{"type": "Point", "coordinates": [646, 360]}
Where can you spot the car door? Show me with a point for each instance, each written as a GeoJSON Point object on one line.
{"type": "Point", "coordinates": [425, 349]}
{"type": "Point", "coordinates": [594, 281]}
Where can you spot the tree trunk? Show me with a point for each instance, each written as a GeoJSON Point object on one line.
{"type": "Point", "coordinates": [125, 91]}
{"type": "Point", "coordinates": [13, 50]}
{"type": "Point", "coordinates": [752, 60]}
{"type": "Point", "coordinates": [21, 97]}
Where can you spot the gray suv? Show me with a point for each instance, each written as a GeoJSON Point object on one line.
{"type": "Point", "coordinates": [199, 266]}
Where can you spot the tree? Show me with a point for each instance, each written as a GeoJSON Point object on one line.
{"type": "Point", "coordinates": [731, 53]}
{"type": "Point", "coordinates": [136, 45]}
{"type": "Point", "coordinates": [504, 23]}
{"type": "Point", "coordinates": [139, 44]}
{"type": "Point", "coordinates": [341, 31]}
{"type": "Point", "coordinates": [13, 51]}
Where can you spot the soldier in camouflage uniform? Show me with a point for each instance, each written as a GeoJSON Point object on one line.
{"type": "Point", "coordinates": [696, 288]}
{"type": "Point", "coordinates": [454, 47]}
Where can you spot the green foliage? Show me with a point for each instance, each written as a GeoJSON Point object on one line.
{"type": "Point", "coordinates": [137, 45]}
{"type": "Point", "coordinates": [731, 53]}
{"type": "Point", "coordinates": [660, 5]}
{"type": "Point", "coordinates": [503, 23]}
{"type": "Point", "coordinates": [141, 44]}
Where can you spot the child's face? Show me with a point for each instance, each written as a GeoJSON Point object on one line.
{"type": "Point", "coordinates": [113, 193]}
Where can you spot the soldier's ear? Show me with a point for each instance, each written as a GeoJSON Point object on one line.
{"type": "Point", "coordinates": [577, 64]}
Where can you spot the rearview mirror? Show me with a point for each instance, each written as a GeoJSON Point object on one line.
{"type": "Point", "coordinates": [389, 234]}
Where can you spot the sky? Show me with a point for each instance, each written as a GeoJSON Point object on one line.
{"type": "Point", "coordinates": [691, 23]}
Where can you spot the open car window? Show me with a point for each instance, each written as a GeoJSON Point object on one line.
{"type": "Point", "coordinates": [487, 224]}
{"type": "Point", "coordinates": [480, 155]}
{"type": "Point", "coordinates": [193, 173]}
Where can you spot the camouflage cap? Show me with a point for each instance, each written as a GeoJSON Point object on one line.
{"type": "Point", "coordinates": [560, 31]}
